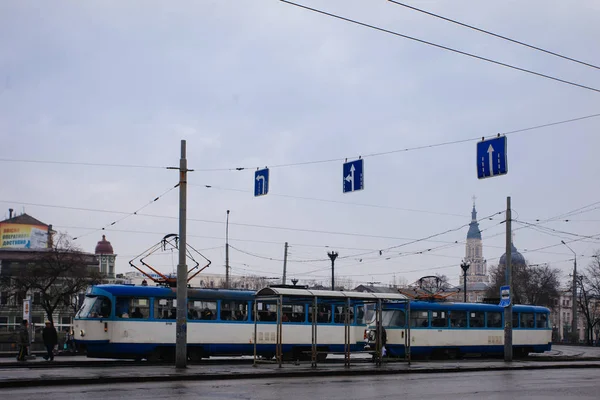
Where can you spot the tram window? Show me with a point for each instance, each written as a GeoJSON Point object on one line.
{"type": "Point", "coordinates": [476, 319]}
{"type": "Point", "coordinates": [234, 310]}
{"type": "Point", "coordinates": [165, 308]}
{"type": "Point", "coordinates": [394, 318]}
{"type": "Point", "coordinates": [527, 320]}
{"type": "Point", "coordinates": [293, 313]}
{"type": "Point", "coordinates": [541, 320]}
{"type": "Point", "coordinates": [419, 319]}
{"type": "Point", "coordinates": [323, 314]}
{"type": "Point", "coordinates": [95, 307]}
{"type": "Point", "coordinates": [360, 315]}
{"type": "Point", "coordinates": [439, 319]}
{"type": "Point", "coordinates": [458, 319]}
{"type": "Point", "coordinates": [515, 320]}
{"type": "Point", "coordinates": [494, 319]}
{"type": "Point", "coordinates": [339, 316]}
{"type": "Point", "coordinates": [201, 309]}
{"type": "Point", "coordinates": [130, 307]}
{"type": "Point", "coordinates": [267, 312]}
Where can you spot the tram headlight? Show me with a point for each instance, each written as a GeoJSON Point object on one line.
{"type": "Point", "coordinates": [82, 333]}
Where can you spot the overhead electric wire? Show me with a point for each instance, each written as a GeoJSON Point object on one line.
{"type": "Point", "coordinates": [128, 215]}
{"type": "Point", "coordinates": [80, 163]}
{"type": "Point", "coordinates": [492, 34]}
{"type": "Point", "coordinates": [353, 21]}
{"type": "Point", "coordinates": [332, 201]}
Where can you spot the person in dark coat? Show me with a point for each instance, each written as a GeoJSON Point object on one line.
{"type": "Point", "coordinates": [23, 342]}
{"type": "Point", "coordinates": [50, 337]}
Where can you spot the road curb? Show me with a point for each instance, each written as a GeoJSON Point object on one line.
{"type": "Point", "coordinates": [184, 376]}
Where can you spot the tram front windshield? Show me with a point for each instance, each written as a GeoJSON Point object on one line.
{"type": "Point", "coordinates": [95, 307]}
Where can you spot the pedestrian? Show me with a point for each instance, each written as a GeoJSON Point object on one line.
{"type": "Point", "coordinates": [23, 341]}
{"type": "Point", "coordinates": [50, 337]}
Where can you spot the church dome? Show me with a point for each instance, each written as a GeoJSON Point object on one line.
{"type": "Point", "coordinates": [104, 246]}
{"type": "Point", "coordinates": [516, 258]}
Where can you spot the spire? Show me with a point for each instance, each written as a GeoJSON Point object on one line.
{"type": "Point", "coordinates": [474, 232]}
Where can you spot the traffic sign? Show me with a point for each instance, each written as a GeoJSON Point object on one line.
{"type": "Point", "coordinates": [261, 182]}
{"type": "Point", "coordinates": [353, 175]}
{"type": "Point", "coordinates": [504, 296]}
{"type": "Point", "coordinates": [491, 157]}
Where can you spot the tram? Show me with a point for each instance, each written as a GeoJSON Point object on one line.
{"type": "Point", "coordinates": [138, 322]}
{"type": "Point", "coordinates": [452, 330]}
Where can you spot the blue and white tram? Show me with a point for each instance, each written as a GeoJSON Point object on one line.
{"type": "Point", "coordinates": [138, 322]}
{"type": "Point", "coordinates": [451, 330]}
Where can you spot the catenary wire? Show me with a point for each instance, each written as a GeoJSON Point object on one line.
{"type": "Point", "coordinates": [492, 34]}
{"type": "Point", "coordinates": [353, 21]}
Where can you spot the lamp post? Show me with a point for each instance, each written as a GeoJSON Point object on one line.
{"type": "Point", "coordinates": [332, 256]}
{"type": "Point", "coordinates": [465, 267]}
{"type": "Point", "coordinates": [575, 336]}
{"type": "Point", "coordinates": [227, 252]}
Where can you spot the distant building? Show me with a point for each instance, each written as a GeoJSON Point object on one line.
{"type": "Point", "coordinates": [477, 272]}
{"type": "Point", "coordinates": [24, 240]}
{"type": "Point", "coordinates": [106, 258]}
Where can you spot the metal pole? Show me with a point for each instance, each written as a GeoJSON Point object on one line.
{"type": "Point", "coordinates": [181, 329]}
{"type": "Point", "coordinates": [465, 286]}
{"type": "Point", "coordinates": [574, 333]}
{"type": "Point", "coordinates": [227, 252]}
{"type": "Point", "coordinates": [508, 350]}
{"type": "Point", "coordinates": [314, 334]}
{"type": "Point", "coordinates": [379, 330]}
{"type": "Point", "coordinates": [285, 251]}
{"type": "Point", "coordinates": [255, 316]}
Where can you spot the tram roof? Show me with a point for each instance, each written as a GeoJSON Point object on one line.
{"type": "Point", "coordinates": [327, 294]}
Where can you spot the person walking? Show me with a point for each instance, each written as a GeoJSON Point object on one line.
{"type": "Point", "coordinates": [23, 341]}
{"type": "Point", "coordinates": [50, 337]}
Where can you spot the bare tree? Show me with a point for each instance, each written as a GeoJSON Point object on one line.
{"type": "Point", "coordinates": [537, 285]}
{"type": "Point", "coordinates": [588, 297]}
{"type": "Point", "coordinates": [58, 274]}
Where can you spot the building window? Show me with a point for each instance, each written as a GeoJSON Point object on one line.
{"type": "Point", "coordinates": [37, 298]}
{"type": "Point", "coordinates": [4, 298]}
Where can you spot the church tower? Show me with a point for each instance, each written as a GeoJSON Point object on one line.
{"type": "Point", "coordinates": [474, 253]}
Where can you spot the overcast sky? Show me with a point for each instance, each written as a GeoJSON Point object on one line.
{"type": "Point", "coordinates": [263, 83]}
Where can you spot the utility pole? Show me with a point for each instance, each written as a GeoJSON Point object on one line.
{"type": "Point", "coordinates": [574, 333]}
{"type": "Point", "coordinates": [508, 350]}
{"type": "Point", "coordinates": [285, 251]}
{"type": "Point", "coordinates": [227, 252]}
{"type": "Point", "coordinates": [465, 267]}
{"type": "Point", "coordinates": [332, 256]}
{"type": "Point", "coordinates": [181, 329]}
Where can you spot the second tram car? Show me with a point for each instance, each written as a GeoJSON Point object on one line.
{"type": "Point", "coordinates": [445, 329]}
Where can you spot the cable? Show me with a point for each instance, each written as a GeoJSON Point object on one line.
{"type": "Point", "coordinates": [491, 33]}
{"type": "Point", "coordinates": [377, 154]}
{"type": "Point", "coordinates": [81, 163]}
{"type": "Point", "coordinates": [332, 201]}
{"type": "Point", "coordinates": [128, 215]}
{"type": "Point", "coordinates": [441, 46]}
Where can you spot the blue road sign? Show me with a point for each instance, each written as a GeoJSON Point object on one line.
{"type": "Point", "coordinates": [491, 158]}
{"type": "Point", "coordinates": [261, 182]}
{"type": "Point", "coordinates": [353, 175]}
{"type": "Point", "coordinates": [504, 296]}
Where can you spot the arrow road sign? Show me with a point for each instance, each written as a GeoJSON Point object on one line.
{"type": "Point", "coordinates": [353, 176]}
{"type": "Point", "coordinates": [491, 157]}
{"type": "Point", "coordinates": [261, 182]}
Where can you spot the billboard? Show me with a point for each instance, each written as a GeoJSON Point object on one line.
{"type": "Point", "coordinates": [23, 236]}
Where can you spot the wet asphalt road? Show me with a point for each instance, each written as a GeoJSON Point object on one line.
{"type": "Point", "coordinates": [531, 384]}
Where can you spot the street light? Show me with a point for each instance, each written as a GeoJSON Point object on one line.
{"type": "Point", "coordinates": [332, 255]}
{"type": "Point", "coordinates": [574, 311]}
{"type": "Point", "coordinates": [227, 252]}
{"type": "Point", "coordinates": [465, 266]}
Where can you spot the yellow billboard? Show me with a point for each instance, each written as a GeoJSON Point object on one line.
{"type": "Point", "coordinates": [22, 236]}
